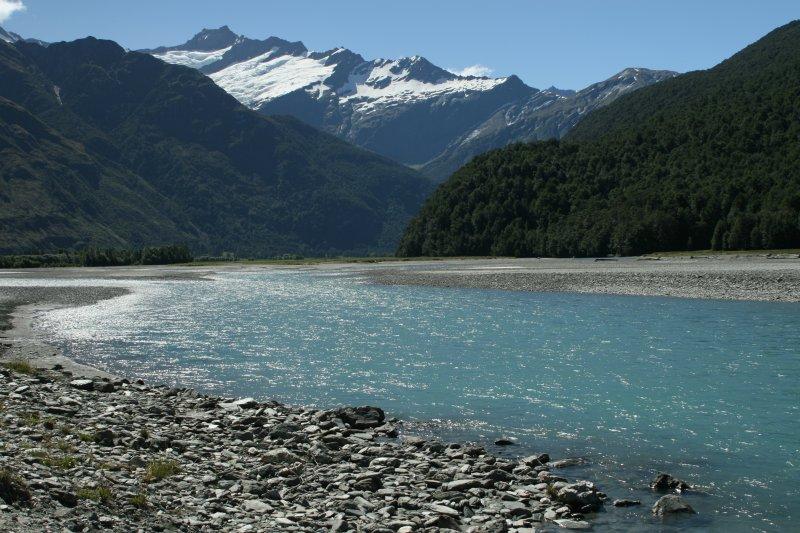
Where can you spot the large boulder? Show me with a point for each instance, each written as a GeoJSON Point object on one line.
{"type": "Point", "coordinates": [365, 417]}
{"type": "Point", "coordinates": [581, 496]}
{"type": "Point", "coordinates": [672, 504]}
{"type": "Point", "coordinates": [667, 483]}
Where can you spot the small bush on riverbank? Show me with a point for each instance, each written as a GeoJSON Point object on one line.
{"type": "Point", "coordinates": [20, 367]}
{"type": "Point", "coordinates": [64, 462]}
{"type": "Point", "coordinates": [31, 419]}
{"type": "Point", "coordinates": [139, 500]}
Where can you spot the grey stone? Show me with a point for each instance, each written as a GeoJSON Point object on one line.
{"type": "Point", "coordinates": [462, 485]}
{"type": "Point", "coordinates": [280, 455]}
{"type": "Point", "coordinates": [443, 509]}
{"type": "Point", "coordinates": [671, 504]}
{"type": "Point", "coordinates": [82, 384]}
{"type": "Point", "coordinates": [572, 524]}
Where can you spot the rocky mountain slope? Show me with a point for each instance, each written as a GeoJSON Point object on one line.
{"type": "Point", "coordinates": [705, 160]}
{"type": "Point", "coordinates": [548, 114]}
{"type": "Point", "coordinates": [9, 36]}
{"type": "Point", "coordinates": [407, 109]}
{"type": "Point", "coordinates": [114, 148]}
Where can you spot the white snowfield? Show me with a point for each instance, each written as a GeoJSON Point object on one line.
{"type": "Point", "coordinates": [266, 77]}
{"type": "Point", "coordinates": [371, 85]}
{"type": "Point", "coordinates": [192, 58]}
{"type": "Point", "coordinates": [382, 87]}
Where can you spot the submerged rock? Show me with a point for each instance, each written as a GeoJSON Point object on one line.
{"type": "Point", "coordinates": [573, 524]}
{"type": "Point", "coordinates": [626, 503]}
{"type": "Point", "coordinates": [564, 463]}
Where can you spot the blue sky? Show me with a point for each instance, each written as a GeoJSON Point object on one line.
{"type": "Point", "coordinates": [569, 44]}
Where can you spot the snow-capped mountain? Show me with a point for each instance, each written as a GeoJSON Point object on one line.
{"type": "Point", "coordinates": [407, 109]}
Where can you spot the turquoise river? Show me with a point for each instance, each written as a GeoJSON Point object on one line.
{"type": "Point", "coordinates": [706, 390]}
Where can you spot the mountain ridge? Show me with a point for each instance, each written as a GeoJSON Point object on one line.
{"type": "Point", "coordinates": [407, 109]}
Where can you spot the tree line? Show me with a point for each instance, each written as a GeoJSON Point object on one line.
{"type": "Point", "coordinates": [94, 257]}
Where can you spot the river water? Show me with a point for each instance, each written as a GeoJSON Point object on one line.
{"type": "Point", "coordinates": [706, 390]}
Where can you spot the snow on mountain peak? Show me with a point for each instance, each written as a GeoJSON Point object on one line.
{"type": "Point", "coordinates": [256, 72]}
{"type": "Point", "coordinates": [270, 75]}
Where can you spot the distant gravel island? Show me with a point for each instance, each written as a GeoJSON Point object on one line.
{"type": "Point", "coordinates": [763, 277]}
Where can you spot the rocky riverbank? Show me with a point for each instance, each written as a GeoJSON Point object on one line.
{"type": "Point", "coordinates": [81, 454]}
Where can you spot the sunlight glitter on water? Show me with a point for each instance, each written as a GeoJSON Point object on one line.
{"type": "Point", "coordinates": [706, 390]}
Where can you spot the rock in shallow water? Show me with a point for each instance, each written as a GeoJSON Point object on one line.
{"type": "Point", "coordinates": [573, 524]}
{"type": "Point", "coordinates": [666, 483]}
{"type": "Point", "coordinates": [626, 503]}
{"type": "Point", "coordinates": [671, 504]}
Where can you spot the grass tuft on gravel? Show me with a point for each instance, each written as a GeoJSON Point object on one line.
{"type": "Point", "coordinates": [139, 500]}
{"type": "Point", "coordinates": [99, 494]}
{"type": "Point", "coordinates": [161, 469]}
{"type": "Point", "coordinates": [20, 367]}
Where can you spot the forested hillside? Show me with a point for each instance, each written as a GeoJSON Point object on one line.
{"type": "Point", "coordinates": [103, 147]}
{"type": "Point", "coordinates": [708, 159]}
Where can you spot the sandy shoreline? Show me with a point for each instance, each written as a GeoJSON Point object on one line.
{"type": "Point", "coordinates": [20, 305]}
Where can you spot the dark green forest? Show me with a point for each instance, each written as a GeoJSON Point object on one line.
{"type": "Point", "coordinates": [93, 257]}
{"type": "Point", "coordinates": [709, 159]}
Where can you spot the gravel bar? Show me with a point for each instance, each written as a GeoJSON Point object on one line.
{"type": "Point", "coordinates": [761, 278]}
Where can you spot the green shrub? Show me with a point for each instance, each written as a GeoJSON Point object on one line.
{"type": "Point", "coordinates": [20, 367]}
{"type": "Point", "coordinates": [161, 469]}
{"type": "Point", "coordinates": [99, 494]}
